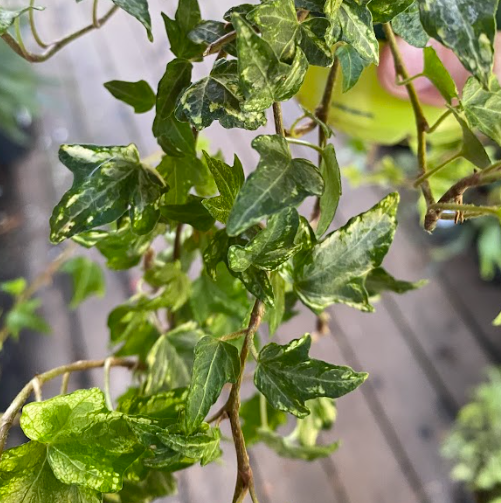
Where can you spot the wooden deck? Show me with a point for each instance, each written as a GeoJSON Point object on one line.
{"type": "Point", "coordinates": [424, 350]}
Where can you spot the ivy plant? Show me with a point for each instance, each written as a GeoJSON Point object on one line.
{"type": "Point", "coordinates": [190, 334]}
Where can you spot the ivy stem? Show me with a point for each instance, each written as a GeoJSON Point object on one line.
{"type": "Point", "coordinates": [439, 121]}
{"type": "Point", "coordinates": [95, 17]}
{"type": "Point", "coordinates": [421, 122]}
{"type": "Point", "coordinates": [263, 411]}
{"type": "Point", "coordinates": [278, 117]}
{"type": "Point", "coordinates": [218, 44]}
{"type": "Point", "coordinates": [18, 402]}
{"type": "Point", "coordinates": [64, 383]}
{"type": "Point", "coordinates": [34, 31]}
{"type": "Point", "coordinates": [322, 113]}
{"type": "Point", "coordinates": [486, 176]}
{"type": "Point", "coordinates": [56, 46]}
{"type": "Point", "coordinates": [19, 36]}
{"type": "Point", "coordinates": [484, 210]}
{"type": "Point", "coordinates": [436, 169]}
{"type": "Point", "coordinates": [295, 141]}
{"type": "Point", "coordinates": [233, 335]}
{"type": "Point", "coordinates": [107, 391]}
{"type": "Point", "coordinates": [245, 479]}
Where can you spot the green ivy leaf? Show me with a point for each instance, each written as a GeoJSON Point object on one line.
{"type": "Point", "coordinates": [14, 287]}
{"type": "Point", "coordinates": [198, 446]}
{"type": "Point", "coordinates": [208, 32]}
{"type": "Point", "coordinates": [187, 18]}
{"type": "Point", "coordinates": [164, 405]}
{"type": "Point", "coordinates": [355, 23]}
{"type": "Point", "coordinates": [311, 5]}
{"type": "Point", "coordinates": [144, 486]}
{"type": "Point", "coordinates": [23, 316]}
{"type": "Point", "coordinates": [122, 248]}
{"type": "Point", "coordinates": [7, 17]}
{"type": "Point", "coordinates": [383, 11]}
{"type": "Point", "coordinates": [472, 148]}
{"type": "Point", "coordinates": [335, 270]}
{"type": "Point", "coordinates": [193, 212]}
{"type": "Point", "coordinates": [465, 26]}
{"type": "Point", "coordinates": [86, 444]}
{"type": "Point", "coordinates": [278, 182]}
{"type": "Point", "coordinates": [139, 10]}
{"type": "Point", "coordinates": [329, 200]}
{"type": "Point", "coordinates": [138, 95]}
{"type": "Point", "coordinates": [322, 417]}
{"type": "Point", "coordinates": [379, 281]}
{"type": "Point", "coordinates": [287, 377]}
{"type": "Point", "coordinates": [88, 279]}
{"type": "Point", "coordinates": [216, 363]}
{"type": "Point", "coordinates": [107, 182]}
{"type": "Point", "coordinates": [271, 246]}
{"type": "Point", "coordinates": [276, 314]}
{"type": "Point", "coordinates": [286, 447]}
{"type": "Point", "coordinates": [175, 138]}
{"type": "Point", "coordinates": [218, 97]}
{"type": "Point", "coordinates": [26, 475]}
{"type": "Point", "coordinates": [170, 360]}
{"type": "Point", "coordinates": [229, 180]}
{"type": "Point", "coordinates": [181, 174]}
{"type": "Point", "coordinates": [483, 108]}
{"type": "Point", "coordinates": [408, 25]}
{"type": "Point", "coordinates": [352, 65]}
{"type": "Point", "coordinates": [250, 413]}
{"type": "Point", "coordinates": [436, 72]}
{"type": "Point", "coordinates": [176, 78]}
{"type": "Point", "coordinates": [255, 280]}
{"type": "Point", "coordinates": [263, 77]}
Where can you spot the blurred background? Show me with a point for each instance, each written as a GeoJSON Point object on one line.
{"type": "Point", "coordinates": [425, 350]}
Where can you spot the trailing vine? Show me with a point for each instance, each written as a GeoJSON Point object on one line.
{"type": "Point", "coordinates": [184, 336]}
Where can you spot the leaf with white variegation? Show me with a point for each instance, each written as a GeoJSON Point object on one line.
{"type": "Point", "coordinates": [288, 377]}
{"type": "Point", "coordinates": [335, 270]}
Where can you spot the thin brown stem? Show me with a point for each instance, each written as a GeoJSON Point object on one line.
{"type": "Point", "coordinates": [95, 16]}
{"type": "Point", "coordinates": [18, 402]}
{"type": "Point", "coordinates": [278, 118]}
{"type": "Point", "coordinates": [245, 479]}
{"type": "Point", "coordinates": [56, 46]}
{"type": "Point", "coordinates": [455, 193]}
{"type": "Point", "coordinates": [218, 44]}
{"type": "Point", "coordinates": [421, 122]}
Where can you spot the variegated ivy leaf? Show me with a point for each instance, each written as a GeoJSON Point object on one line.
{"type": "Point", "coordinates": [270, 247]}
{"type": "Point", "coordinates": [229, 180]}
{"type": "Point", "coordinates": [139, 10]}
{"type": "Point", "coordinates": [107, 182]}
{"type": "Point", "coordinates": [187, 18]}
{"type": "Point", "coordinates": [355, 23]}
{"type": "Point", "coordinates": [216, 363]}
{"type": "Point", "coordinates": [26, 475]}
{"type": "Point", "coordinates": [218, 97]}
{"type": "Point", "coordinates": [278, 182]}
{"type": "Point", "coordinates": [192, 212]}
{"type": "Point", "coordinates": [263, 77]}
{"type": "Point", "coordinates": [408, 25]}
{"type": "Point", "coordinates": [384, 11]}
{"type": "Point", "coordinates": [7, 17]}
{"type": "Point", "coordinates": [483, 107]}
{"type": "Point", "coordinates": [86, 443]}
{"type": "Point", "coordinates": [279, 25]}
{"type": "Point", "coordinates": [352, 65]}
{"type": "Point", "coordinates": [288, 377]}
{"type": "Point", "coordinates": [170, 360]}
{"type": "Point", "coordinates": [335, 270]}
{"type": "Point", "coordinates": [468, 27]}
{"type": "Point", "coordinates": [255, 280]}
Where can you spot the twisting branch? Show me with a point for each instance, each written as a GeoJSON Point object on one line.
{"type": "Point", "coordinates": [18, 402]}
{"type": "Point", "coordinates": [56, 46]}
{"type": "Point", "coordinates": [245, 479]}
{"type": "Point", "coordinates": [421, 122]}
{"type": "Point", "coordinates": [218, 44]}
{"type": "Point", "coordinates": [455, 194]}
